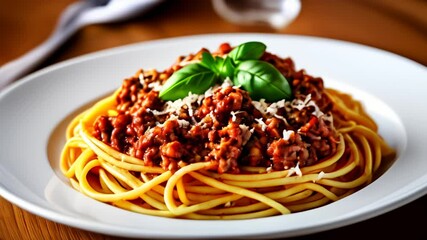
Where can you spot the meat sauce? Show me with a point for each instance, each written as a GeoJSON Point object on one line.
{"type": "Point", "coordinates": [223, 126]}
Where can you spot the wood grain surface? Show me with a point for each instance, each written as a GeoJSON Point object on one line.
{"type": "Point", "coordinates": [398, 26]}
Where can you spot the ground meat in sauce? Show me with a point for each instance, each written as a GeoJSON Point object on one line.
{"type": "Point", "coordinates": [223, 126]}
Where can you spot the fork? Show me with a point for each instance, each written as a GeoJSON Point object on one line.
{"type": "Point", "coordinates": [75, 16]}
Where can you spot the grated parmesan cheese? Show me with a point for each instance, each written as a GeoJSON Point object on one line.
{"type": "Point", "coordinates": [320, 176]}
{"type": "Point", "coordinates": [282, 118]}
{"type": "Point", "coordinates": [260, 105]}
{"type": "Point", "coordinates": [261, 123]}
{"type": "Point", "coordinates": [287, 134]}
{"type": "Point", "coordinates": [189, 100]}
{"type": "Point", "coordinates": [141, 78]}
{"type": "Point", "coordinates": [295, 170]}
{"type": "Point", "coordinates": [227, 83]}
{"type": "Point", "coordinates": [246, 134]}
{"type": "Point", "coordinates": [174, 107]}
{"type": "Point", "coordinates": [271, 109]}
{"type": "Point", "coordinates": [233, 115]}
{"type": "Point", "coordinates": [299, 104]}
{"type": "Point", "coordinates": [156, 113]}
{"type": "Point", "coordinates": [155, 86]}
{"type": "Point", "coordinates": [274, 107]}
{"type": "Point", "coordinates": [209, 92]}
{"type": "Point", "coordinates": [182, 122]}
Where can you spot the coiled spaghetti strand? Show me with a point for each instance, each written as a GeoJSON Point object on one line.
{"type": "Point", "coordinates": [342, 104]}
{"type": "Point", "coordinates": [182, 209]}
{"type": "Point", "coordinates": [241, 191]}
{"type": "Point", "coordinates": [136, 208]}
{"type": "Point", "coordinates": [132, 194]}
{"type": "Point", "coordinates": [109, 156]}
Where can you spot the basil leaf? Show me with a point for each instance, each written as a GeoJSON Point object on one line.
{"type": "Point", "coordinates": [225, 67]}
{"type": "Point", "coordinates": [222, 67]}
{"type": "Point", "coordinates": [247, 51]}
{"type": "Point", "coordinates": [194, 78]}
{"type": "Point", "coordinates": [262, 80]}
{"type": "Point", "coordinates": [209, 62]}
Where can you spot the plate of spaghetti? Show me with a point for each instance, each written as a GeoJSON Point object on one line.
{"type": "Point", "coordinates": [216, 136]}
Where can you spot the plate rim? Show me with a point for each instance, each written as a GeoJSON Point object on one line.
{"type": "Point", "coordinates": [416, 192]}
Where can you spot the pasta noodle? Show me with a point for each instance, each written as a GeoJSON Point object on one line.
{"type": "Point", "coordinates": [191, 189]}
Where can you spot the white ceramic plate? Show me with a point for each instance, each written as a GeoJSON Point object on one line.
{"type": "Point", "coordinates": [35, 110]}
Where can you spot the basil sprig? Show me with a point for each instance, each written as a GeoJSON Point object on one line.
{"type": "Point", "coordinates": [242, 65]}
{"type": "Point", "coordinates": [262, 80]}
{"type": "Point", "coordinates": [247, 51]}
{"type": "Point", "coordinates": [195, 78]}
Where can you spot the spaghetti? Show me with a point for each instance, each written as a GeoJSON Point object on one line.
{"type": "Point", "coordinates": [220, 154]}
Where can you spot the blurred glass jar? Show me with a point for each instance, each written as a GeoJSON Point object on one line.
{"type": "Point", "coordinates": [274, 13]}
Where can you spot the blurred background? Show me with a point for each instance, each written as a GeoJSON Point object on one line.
{"type": "Point", "coordinates": [398, 26]}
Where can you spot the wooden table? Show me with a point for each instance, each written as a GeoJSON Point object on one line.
{"type": "Point", "coordinates": [392, 25]}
